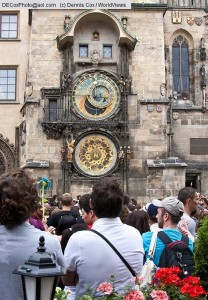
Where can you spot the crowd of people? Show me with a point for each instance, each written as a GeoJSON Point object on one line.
{"type": "Point", "coordinates": [72, 231]}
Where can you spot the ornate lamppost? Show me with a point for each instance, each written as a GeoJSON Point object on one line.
{"type": "Point", "coordinates": [39, 275]}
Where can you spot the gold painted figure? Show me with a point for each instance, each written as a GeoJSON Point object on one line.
{"type": "Point", "coordinates": [70, 150]}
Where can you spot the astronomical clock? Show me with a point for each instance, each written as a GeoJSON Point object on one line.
{"type": "Point", "coordinates": [96, 96]}
{"type": "Point", "coordinates": [96, 101]}
{"type": "Point", "coordinates": [95, 155]}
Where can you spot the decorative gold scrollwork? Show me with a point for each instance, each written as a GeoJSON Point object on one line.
{"type": "Point", "coordinates": [96, 154]}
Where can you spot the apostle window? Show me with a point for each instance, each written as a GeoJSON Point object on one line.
{"type": "Point", "coordinates": [8, 26]}
{"type": "Point", "coordinates": [83, 51]}
{"type": "Point", "coordinates": [180, 68]}
{"type": "Point", "coordinates": [8, 84]}
{"type": "Point", "coordinates": [107, 51]}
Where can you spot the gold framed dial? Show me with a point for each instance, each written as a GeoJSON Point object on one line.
{"type": "Point", "coordinates": [95, 96]}
{"type": "Point", "coordinates": [95, 155]}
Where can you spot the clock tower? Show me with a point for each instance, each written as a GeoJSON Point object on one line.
{"type": "Point", "coordinates": [93, 97]}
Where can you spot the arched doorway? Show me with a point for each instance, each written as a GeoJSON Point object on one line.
{"type": "Point", "coordinates": [7, 155]}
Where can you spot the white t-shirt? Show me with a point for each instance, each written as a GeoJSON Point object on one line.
{"type": "Point", "coordinates": [191, 224]}
{"type": "Point", "coordinates": [95, 261]}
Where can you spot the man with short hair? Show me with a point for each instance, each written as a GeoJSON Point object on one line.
{"type": "Point", "coordinates": [190, 198]}
{"type": "Point", "coordinates": [67, 209]}
{"type": "Point", "coordinates": [169, 212]}
{"type": "Point", "coordinates": [90, 256]}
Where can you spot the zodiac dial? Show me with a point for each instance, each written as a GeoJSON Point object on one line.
{"type": "Point", "coordinates": [95, 155]}
{"type": "Point", "coordinates": [96, 96]}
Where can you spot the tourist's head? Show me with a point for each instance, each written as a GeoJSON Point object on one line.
{"type": "Point", "coordinates": [170, 209]}
{"type": "Point", "coordinates": [66, 199]}
{"type": "Point", "coordinates": [140, 220]}
{"type": "Point", "coordinates": [87, 212]}
{"type": "Point", "coordinates": [189, 197]}
{"type": "Point", "coordinates": [18, 197]}
{"type": "Point", "coordinates": [107, 198]}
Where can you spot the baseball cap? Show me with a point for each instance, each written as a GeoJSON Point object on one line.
{"type": "Point", "coordinates": [171, 204]}
{"type": "Point", "coordinates": [152, 210]}
{"type": "Point", "coordinates": [145, 207]}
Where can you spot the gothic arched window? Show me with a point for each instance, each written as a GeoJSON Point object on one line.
{"type": "Point", "coordinates": [180, 68]}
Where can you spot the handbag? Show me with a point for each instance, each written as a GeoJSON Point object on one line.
{"type": "Point", "coordinates": [117, 252]}
{"type": "Point", "coordinates": [149, 268]}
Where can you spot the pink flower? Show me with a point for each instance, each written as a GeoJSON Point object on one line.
{"type": "Point", "coordinates": [105, 287]}
{"type": "Point", "coordinates": [159, 295]}
{"type": "Point", "coordinates": [139, 279]}
{"type": "Point", "coordinates": [134, 295]}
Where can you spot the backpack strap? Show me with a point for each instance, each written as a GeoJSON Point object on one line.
{"type": "Point", "coordinates": [166, 240]}
{"type": "Point", "coordinates": [164, 237]}
{"type": "Point", "coordinates": [185, 239]}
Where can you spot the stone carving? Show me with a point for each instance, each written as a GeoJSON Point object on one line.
{"type": "Point", "coordinates": [7, 155]}
{"type": "Point", "coordinates": [121, 154]}
{"type": "Point", "coordinates": [95, 36]}
{"type": "Point", "coordinates": [206, 19]}
{"type": "Point", "coordinates": [162, 89]}
{"type": "Point", "coordinates": [128, 154]}
{"type": "Point", "coordinates": [66, 81]}
{"type": "Point", "coordinates": [159, 107]}
{"type": "Point", "coordinates": [176, 17]}
{"type": "Point", "coordinates": [175, 115]}
{"type": "Point", "coordinates": [67, 22]}
{"type": "Point", "coordinates": [53, 131]}
{"type": "Point", "coordinates": [150, 107]}
{"type": "Point", "coordinates": [95, 56]}
{"type": "Point", "coordinates": [198, 21]}
{"type": "Point", "coordinates": [203, 54]}
{"type": "Point", "coordinates": [190, 20]}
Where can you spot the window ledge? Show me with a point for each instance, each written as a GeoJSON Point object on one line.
{"type": "Point", "coordinates": [101, 62]}
{"type": "Point", "coordinates": [9, 102]}
{"type": "Point", "coordinates": [10, 40]}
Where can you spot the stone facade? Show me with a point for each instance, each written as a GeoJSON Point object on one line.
{"type": "Point", "coordinates": [158, 130]}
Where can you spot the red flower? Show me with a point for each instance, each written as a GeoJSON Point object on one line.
{"type": "Point", "coordinates": [172, 280]}
{"type": "Point", "coordinates": [193, 280]}
{"type": "Point", "coordinates": [166, 272]}
{"type": "Point", "coordinates": [193, 291]}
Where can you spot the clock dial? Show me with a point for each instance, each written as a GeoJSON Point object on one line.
{"type": "Point", "coordinates": [96, 96]}
{"type": "Point", "coordinates": [95, 155]}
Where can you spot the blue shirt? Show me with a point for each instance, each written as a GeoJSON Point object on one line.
{"type": "Point", "coordinates": [174, 235]}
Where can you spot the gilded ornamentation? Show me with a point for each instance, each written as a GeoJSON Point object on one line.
{"type": "Point", "coordinates": [176, 17]}
{"type": "Point", "coordinates": [95, 155]}
{"type": "Point", "coordinates": [70, 150]}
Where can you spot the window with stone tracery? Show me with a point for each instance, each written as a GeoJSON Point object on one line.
{"type": "Point", "coordinates": [180, 68]}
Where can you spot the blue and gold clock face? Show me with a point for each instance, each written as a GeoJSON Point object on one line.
{"type": "Point", "coordinates": [96, 96]}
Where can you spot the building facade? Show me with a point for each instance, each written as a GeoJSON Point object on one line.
{"type": "Point", "coordinates": [120, 93]}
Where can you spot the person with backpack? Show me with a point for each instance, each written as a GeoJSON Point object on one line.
{"type": "Point", "coordinates": [172, 248]}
